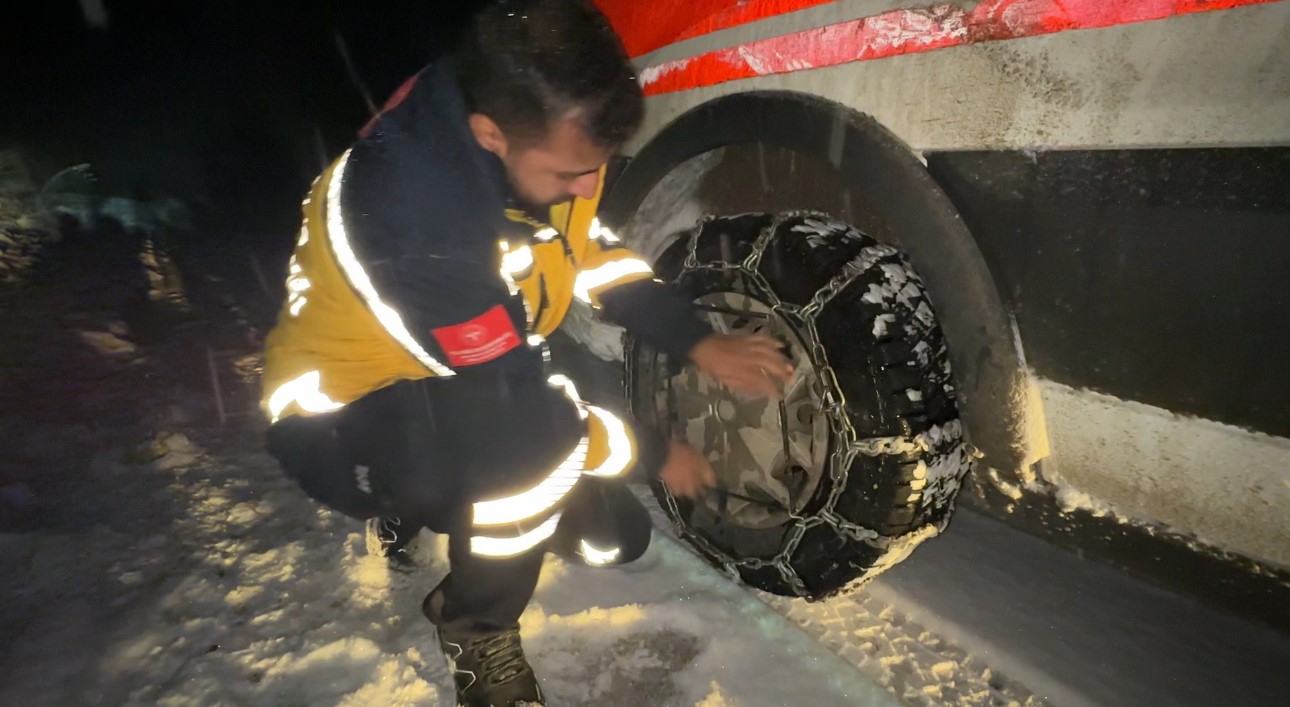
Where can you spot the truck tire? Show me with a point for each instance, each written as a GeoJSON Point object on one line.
{"type": "Point", "coordinates": [863, 458]}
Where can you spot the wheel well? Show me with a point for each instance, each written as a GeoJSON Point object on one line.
{"type": "Point", "coordinates": [779, 150]}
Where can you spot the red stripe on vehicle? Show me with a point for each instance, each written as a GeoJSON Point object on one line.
{"type": "Point", "coordinates": [909, 31]}
{"type": "Point", "coordinates": [744, 13]}
{"type": "Point", "coordinates": [646, 26]}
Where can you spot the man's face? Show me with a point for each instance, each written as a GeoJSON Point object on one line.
{"type": "Point", "coordinates": [564, 165]}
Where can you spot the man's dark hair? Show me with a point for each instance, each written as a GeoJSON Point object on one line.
{"type": "Point", "coordinates": [528, 63]}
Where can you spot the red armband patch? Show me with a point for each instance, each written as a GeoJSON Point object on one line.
{"type": "Point", "coordinates": [479, 340]}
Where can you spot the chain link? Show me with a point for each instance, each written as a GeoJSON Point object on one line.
{"type": "Point", "coordinates": [869, 255]}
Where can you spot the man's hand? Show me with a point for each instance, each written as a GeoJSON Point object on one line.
{"type": "Point", "coordinates": [753, 365]}
{"type": "Point", "coordinates": [686, 472]}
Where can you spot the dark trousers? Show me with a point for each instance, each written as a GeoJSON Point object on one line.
{"type": "Point", "coordinates": [423, 451]}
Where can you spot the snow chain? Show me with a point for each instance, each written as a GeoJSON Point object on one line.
{"type": "Point", "coordinates": [847, 442]}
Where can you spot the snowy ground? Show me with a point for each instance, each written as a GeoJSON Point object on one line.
{"type": "Point", "coordinates": [985, 614]}
{"type": "Point", "coordinates": [1078, 632]}
{"type": "Point", "coordinates": [252, 596]}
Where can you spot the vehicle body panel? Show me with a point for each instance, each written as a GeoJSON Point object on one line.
{"type": "Point", "coordinates": [1124, 176]}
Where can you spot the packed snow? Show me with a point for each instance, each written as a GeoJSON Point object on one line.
{"type": "Point", "coordinates": [1075, 632]}
{"type": "Point", "coordinates": [239, 590]}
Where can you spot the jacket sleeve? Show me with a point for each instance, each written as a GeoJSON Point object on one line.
{"type": "Point", "coordinates": [622, 286]}
{"type": "Point", "coordinates": [419, 244]}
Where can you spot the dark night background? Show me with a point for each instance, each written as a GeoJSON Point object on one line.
{"type": "Point", "coordinates": [221, 104]}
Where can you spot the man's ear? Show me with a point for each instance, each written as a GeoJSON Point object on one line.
{"type": "Point", "coordinates": [488, 134]}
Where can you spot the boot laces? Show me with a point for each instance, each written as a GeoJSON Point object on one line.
{"type": "Point", "coordinates": [386, 530]}
{"type": "Point", "coordinates": [501, 656]}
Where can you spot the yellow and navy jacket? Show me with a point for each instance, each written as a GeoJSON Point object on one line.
{"type": "Point", "coordinates": [411, 262]}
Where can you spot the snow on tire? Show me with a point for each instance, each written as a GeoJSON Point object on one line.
{"type": "Point", "coordinates": [865, 456]}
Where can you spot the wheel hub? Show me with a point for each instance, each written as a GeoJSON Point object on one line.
{"type": "Point", "coordinates": [726, 410]}
{"type": "Point", "coordinates": [769, 457]}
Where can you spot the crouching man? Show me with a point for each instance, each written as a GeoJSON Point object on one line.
{"type": "Point", "coordinates": [406, 378]}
